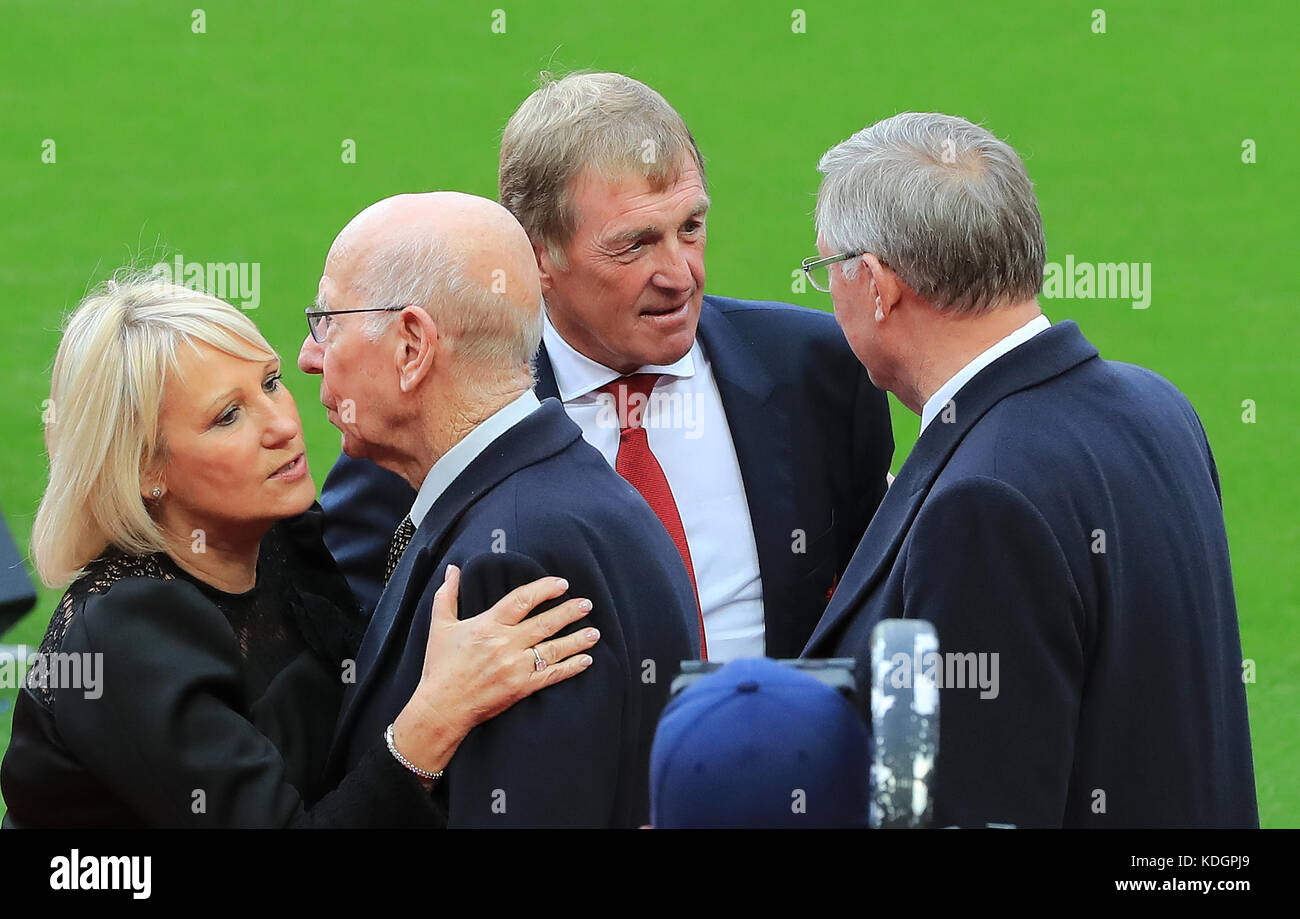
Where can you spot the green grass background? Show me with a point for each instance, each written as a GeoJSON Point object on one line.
{"type": "Point", "coordinates": [225, 146]}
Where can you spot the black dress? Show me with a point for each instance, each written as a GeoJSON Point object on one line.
{"type": "Point", "coordinates": [158, 700]}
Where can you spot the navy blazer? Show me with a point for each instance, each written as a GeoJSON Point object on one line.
{"type": "Point", "coordinates": [1067, 519]}
{"type": "Point", "coordinates": [812, 437]}
{"type": "Point", "coordinates": [539, 500]}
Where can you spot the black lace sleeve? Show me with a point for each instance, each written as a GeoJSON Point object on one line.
{"type": "Point", "coordinates": [168, 731]}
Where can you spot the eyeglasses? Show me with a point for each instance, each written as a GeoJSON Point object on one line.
{"type": "Point", "coordinates": [318, 321]}
{"type": "Point", "coordinates": [818, 270]}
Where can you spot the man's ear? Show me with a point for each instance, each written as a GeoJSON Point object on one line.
{"type": "Point", "coordinates": [417, 347]}
{"type": "Point", "coordinates": [546, 267]}
{"type": "Point", "coordinates": [888, 287]}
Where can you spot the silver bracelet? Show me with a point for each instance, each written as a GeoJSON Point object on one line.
{"type": "Point", "coordinates": [392, 748]}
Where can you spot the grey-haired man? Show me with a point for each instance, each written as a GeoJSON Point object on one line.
{"type": "Point", "coordinates": [1058, 520]}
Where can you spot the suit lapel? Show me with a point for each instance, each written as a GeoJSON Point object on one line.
{"type": "Point", "coordinates": [766, 461]}
{"type": "Point", "coordinates": [755, 419]}
{"type": "Point", "coordinates": [542, 434]}
{"type": "Point", "coordinates": [1046, 355]}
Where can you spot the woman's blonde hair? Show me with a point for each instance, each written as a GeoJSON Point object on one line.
{"type": "Point", "coordinates": [118, 348]}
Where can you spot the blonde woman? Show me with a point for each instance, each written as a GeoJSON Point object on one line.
{"type": "Point", "coordinates": [207, 633]}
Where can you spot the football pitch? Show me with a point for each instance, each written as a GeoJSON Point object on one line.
{"type": "Point", "coordinates": [1160, 137]}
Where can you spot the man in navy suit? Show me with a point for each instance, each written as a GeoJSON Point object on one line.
{"type": "Point", "coordinates": [1059, 519]}
{"type": "Point", "coordinates": [430, 313]}
{"type": "Point", "coordinates": [764, 448]}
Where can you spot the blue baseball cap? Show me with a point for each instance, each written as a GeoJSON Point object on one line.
{"type": "Point", "coordinates": [760, 744]}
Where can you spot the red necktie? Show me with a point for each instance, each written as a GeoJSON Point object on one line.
{"type": "Point", "coordinates": [637, 464]}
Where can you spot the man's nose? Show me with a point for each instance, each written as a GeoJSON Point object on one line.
{"type": "Point", "coordinates": [675, 270]}
{"type": "Point", "coordinates": [309, 356]}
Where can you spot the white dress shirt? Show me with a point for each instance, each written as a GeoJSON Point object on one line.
{"type": "Point", "coordinates": [934, 405]}
{"type": "Point", "coordinates": [688, 433]}
{"type": "Point", "coordinates": [456, 460]}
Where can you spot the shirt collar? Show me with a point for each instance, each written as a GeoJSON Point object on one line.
{"type": "Point", "coordinates": [577, 375]}
{"type": "Point", "coordinates": [934, 405]}
{"type": "Point", "coordinates": [456, 460]}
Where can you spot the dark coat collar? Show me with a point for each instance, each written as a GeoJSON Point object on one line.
{"type": "Point", "coordinates": [542, 434]}
{"type": "Point", "coordinates": [1046, 355]}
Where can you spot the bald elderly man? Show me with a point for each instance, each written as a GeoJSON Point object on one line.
{"type": "Point", "coordinates": [431, 313]}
